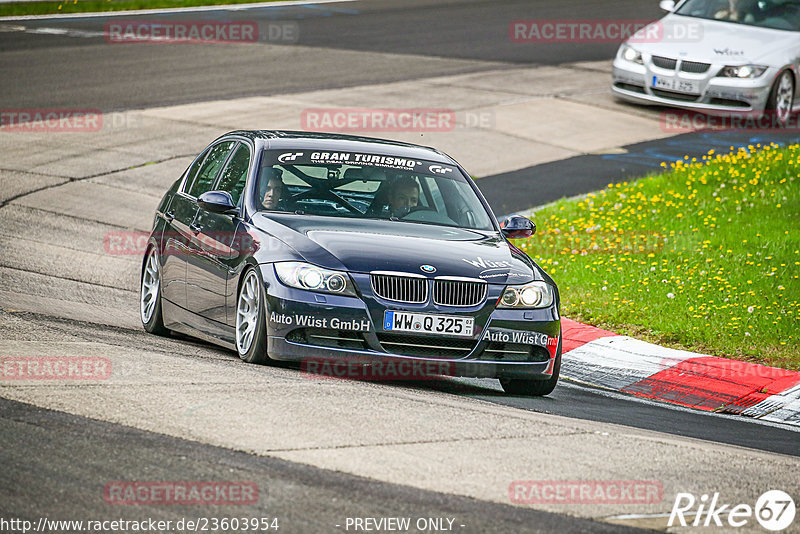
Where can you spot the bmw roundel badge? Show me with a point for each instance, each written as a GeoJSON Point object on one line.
{"type": "Point", "coordinates": [428, 268]}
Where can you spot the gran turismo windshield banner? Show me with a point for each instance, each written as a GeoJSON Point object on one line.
{"type": "Point", "coordinates": [316, 157]}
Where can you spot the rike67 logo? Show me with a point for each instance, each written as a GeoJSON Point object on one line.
{"type": "Point", "coordinates": [774, 510]}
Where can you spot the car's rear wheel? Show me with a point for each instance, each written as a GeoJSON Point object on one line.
{"type": "Point", "coordinates": [781, 97]}
{"type": "Point", "coordinates": [150, 295]}
{"type": "Point", "coordinates": [251, 334]}
{"type": "Point", "coordinates": [534, 388]}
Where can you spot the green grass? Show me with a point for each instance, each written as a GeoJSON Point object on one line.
{"type": "Point", "coordinates": [92, 6]}
{"type": "Point", "coordinates": [705, 257]}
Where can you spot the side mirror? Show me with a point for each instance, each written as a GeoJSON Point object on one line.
{"type": "Point", "coordinates": [217, 202]}
{"type": "Point", "coordinates": [667, 5]}
{"type": "Point", "coordinates": [518, 227]}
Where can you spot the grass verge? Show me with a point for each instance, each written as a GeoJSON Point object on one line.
{"type": "Point", "coordinates": [705, 257]}
{"type": "Point", "coordinates": [93, 6]}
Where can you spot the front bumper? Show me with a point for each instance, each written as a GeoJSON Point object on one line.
{"type": "Point", "coordinates": [714, 95]}
{"type": "Point", "coordinates": [317, 329]}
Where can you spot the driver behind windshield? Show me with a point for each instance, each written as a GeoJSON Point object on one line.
{"type": "Point", "coordinates": [737, 11]}
{"type": "Point", "coordinates": [403, 196]}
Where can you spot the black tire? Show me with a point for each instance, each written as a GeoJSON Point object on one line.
{"type": "Point", "coordinates": [257, 349]}
{"type": "Point", "coordinates": [154, 322]}
{"type": "Point", "coordinates": [534, 388]}
{"type": "Point", "coordinates": [784, 87]}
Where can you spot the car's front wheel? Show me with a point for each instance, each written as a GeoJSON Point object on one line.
{"type": "Point", "coordinates": [251, 333]}
{"type": "Point", "coordinates": [534, 388]}
{"type": "Point", "coordinates": [150, 295]}
{"type": "Point", "coordinates": [781, 98]}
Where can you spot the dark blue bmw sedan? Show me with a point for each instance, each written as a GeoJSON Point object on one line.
{"type": "Point", "coordinates": [327, 248]}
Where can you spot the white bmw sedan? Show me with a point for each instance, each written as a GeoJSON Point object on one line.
{"type": "Point", "coordinates": [716, 57]}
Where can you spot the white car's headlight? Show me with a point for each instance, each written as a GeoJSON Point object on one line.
{"type": "Point", "coordinates": [629, 53]}
{"type": "Point", "coordinates": [743, 71]}
{"type": "Point", "coordinates": [533, 295]}
{"type": "Point", "coordinates": [312, 278]}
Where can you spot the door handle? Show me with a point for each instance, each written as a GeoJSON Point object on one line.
{"type": "Point", "coordinates": [169, 216]}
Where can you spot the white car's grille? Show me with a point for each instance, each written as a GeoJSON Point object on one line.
{"type": "Point", "coordinates": [694, 67]}
{"type": "Point", "coordinates": [669, 63]}
{"type": "Point", "coordinates": [664, 62]}
{"type": "Point", "coordinates": [675, 95]}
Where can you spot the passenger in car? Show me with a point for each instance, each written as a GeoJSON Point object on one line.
{"type": "Point", "coordinates": [271, 188]}
{"type": "Point", "coordinates": [737, 11]}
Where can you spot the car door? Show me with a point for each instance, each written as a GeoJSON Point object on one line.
{"type": "Point", "coordinates": [180, 215]}
{"type": "Point", "coordinates": [238, 243]}
{"type": "Point", "coordinates": [205, 282]}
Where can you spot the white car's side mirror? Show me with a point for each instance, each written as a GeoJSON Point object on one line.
{"type": "Point", "coordinates": [667, 5]}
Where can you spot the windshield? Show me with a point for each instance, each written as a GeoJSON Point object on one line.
{"type": "Point", "coordinates": [368, 186]}
{"type": "Point", "coordinates": [776, 14]}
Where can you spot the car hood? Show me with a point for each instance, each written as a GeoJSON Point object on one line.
{"type": "Point", "coordinates": [363, 246]}
{"type": "Point", "coordinates": [719, 42]}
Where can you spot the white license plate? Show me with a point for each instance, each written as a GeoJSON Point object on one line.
{"type": "Point", "coordinates": [425, 323]}
{"type": "Point", "coordinates": [674, 84]}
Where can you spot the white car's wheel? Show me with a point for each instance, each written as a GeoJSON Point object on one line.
{"type": "Point", "coordinates": [781, 98]}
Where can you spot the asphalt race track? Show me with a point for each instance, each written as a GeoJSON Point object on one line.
{"type": "Point", "coordinates": [449, 37]}
{"type": "Point", "coordinates": [120, 452]}
{"type": "Point", "coordinates": [321, 451]}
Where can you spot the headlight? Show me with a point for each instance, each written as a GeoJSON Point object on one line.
{"type": "Point", "coordinates": [533, 295]}
{"type": "Point", "coordinates": [631, 54]}
{"type": "Point", "coordinates": [313, 278]}
{"type": "Point", "coordinates": [742, 71]}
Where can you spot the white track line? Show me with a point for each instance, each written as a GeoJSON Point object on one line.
{"type": "Point", "coordinates": [68, 32]}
